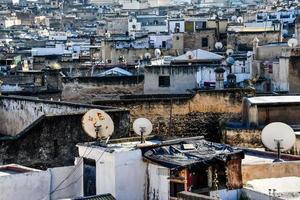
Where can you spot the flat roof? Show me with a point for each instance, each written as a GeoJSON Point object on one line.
{"type": "Point", "coordinates": [118, 147]}
{"type": "Point", "coordinates": [274, 99]}
{"type": "Point", "coordinates": [286, 187]}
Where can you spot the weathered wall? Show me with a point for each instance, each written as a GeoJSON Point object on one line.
{"type": "Point", "coordinates": [52, 141]}
{"type": "Point", "coordinates": [16, 113]}
{"type": "Point", "coordinates": [246, 39]}
{"type": "Point", "coordinates": [86, 88]}
{"type": "Point", "coordinates": [194, 40]}
{"type": "Point", "coordinates": [294, 74]}
{"type": "Point", "coordinates": [270, 170]}
{"type": "Point", "coordinates": [196, 114]}
{"type": "Point", "coordinates": [250, 138]}
{"type": "Point", "coordinates": [242, 137]}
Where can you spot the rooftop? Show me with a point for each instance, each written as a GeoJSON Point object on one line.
{"type": "Point", "coordinates": [11, 169]}
{"type": "Point", "coordinates": [285, 187]}
{"type": "Point", "coordinates": [274, 99]}
{"type": "Point", "coordinates": [189, 151]}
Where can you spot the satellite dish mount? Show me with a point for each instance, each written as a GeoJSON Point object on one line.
{"type": "Point", "coordinates": [98, 124]}
{"type": "Point", "coordinates": [278, 137]}
{"type": "Point", "coordinates": [142, 127]}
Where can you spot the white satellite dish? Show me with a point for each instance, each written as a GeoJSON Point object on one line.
{"type": "Point", "coordinates": [107, 34]}
{"type": "Point", "coordinates": [233, 18]}
{"type": "Point", "coordinates": [98, 124]}
{"type": "Point", "coordinates": [240, 20]}
{"type": "Point", "coordinates": [220, 13]}
{"type": "Point", "coordinates": [147, 56]}
{"type": "Point", "coordinates": [218, 45]}
{"type": "Point", "coordinates": [142, 127]}
{"type": "Point", "coordinates": [292, 42]}
{"type": "Point", "coordinates": [249, 53]}
{"type": "Point", "coordinates": [157, 53]}
{"type": "Point", "coordinates": [229, 52]}
{"type": "Point", "coordinates": [278, 136]}
{"type": "Point", "coordinates": [189, 55]}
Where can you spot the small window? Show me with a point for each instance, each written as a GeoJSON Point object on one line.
{"type": "Point", "coordinates": [204, 42]}
{"type": "Point", "coordinates": [177, 37]}
{"type": "Point", "coordinates": [164, 81]}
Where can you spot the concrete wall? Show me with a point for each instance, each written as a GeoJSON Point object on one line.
{"type": "Point", "coordinates": [40, 185]}
{"type": "Point", "coordinates": [181, 79]}
{"type": "Point", "coordinates": [270, 170]}
{"type": "Point", "coordinates": [120, 173]}
{"type": "Point", "coordinates": [17, 113]}
{"type": "Point", "coordinates": [130, 175]}
{"type": "Point", "coordinates": [32, 185]}
{"type": "Point", "coordinates": [65, 186]}
{"type": "Point", "coordinates": [159, 184]}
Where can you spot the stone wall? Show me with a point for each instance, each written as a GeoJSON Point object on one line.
{"type": "Point", "coordinates": [202, 113]}
{"type": "Point", "coordinates": [84, 89]}
{"type": "Point", "coordinates": [193, 41]}
{"type": "Point", "coordinates": [51, 140]}
{"type": "Point", "coordinates": [270, 170]}
{"type": "Point", "coordinates": [246, 39]}
{"type": "Point", "coordinates": [240, 137]}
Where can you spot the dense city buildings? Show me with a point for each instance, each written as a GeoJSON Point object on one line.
{"type": "Point", "coordinates": [149, 99]}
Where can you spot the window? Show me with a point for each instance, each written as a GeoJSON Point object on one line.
{"type": "Point", "coordinates": [176, 188]}
{"type": "Point", "coordinates": [204, 42]}
{"type": "Point", "coordinates": [243, 70]}
{"type": "Point", "coordinates": [164, 81]}
{"type": "Point", "coordinates": [177, 37]}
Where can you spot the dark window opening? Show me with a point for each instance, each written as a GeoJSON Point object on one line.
{"type": "Point", "coordinates": [175, 188]}
{"type": "Point", "coordinates": [204, 42]}
{"type": "Point", "coordinates": [164, 44]}
{"type": "Point", "coordinates": [164, 81]}
{"type": "Point", "coordinates": [89, 177]}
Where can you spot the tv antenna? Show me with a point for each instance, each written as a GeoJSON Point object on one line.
{"type": "Point", "coordinates": [98, 124]}
{"type": "Point", "coordinates": [142, 127]}
{"type": "Point", "coordinates": [292, 42]}
{"type": "Point", "coordinates": [279, 137]}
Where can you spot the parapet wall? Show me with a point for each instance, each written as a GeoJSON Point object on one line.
{"type": "Point", "coordinates": [16, 113]}
{"type": "Point", "coordinates": [184, 114]}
